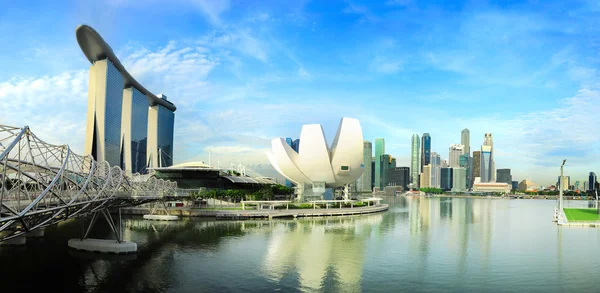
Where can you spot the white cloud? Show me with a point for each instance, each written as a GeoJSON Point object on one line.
{"type": "Point", "coordinates": [385, 65]}
{"type": "Point", "coordinates": [213, 9]}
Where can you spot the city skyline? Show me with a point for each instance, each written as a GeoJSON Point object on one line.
{"type": "Point", "coordinates": [230, 63]}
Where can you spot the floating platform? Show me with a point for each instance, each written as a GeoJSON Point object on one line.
{"type": "Point", "coordinates": [161, 217]}
{"type": "Point", "coordinates": [103, 246]}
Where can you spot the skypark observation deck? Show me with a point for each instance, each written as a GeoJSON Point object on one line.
{"type": "Point", "coordinates": [42, 184]}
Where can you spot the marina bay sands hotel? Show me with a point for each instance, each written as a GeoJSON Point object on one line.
{"type": "Point", "coordinates": [127, 125]}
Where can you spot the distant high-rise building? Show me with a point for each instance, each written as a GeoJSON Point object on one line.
{"type": "Point", "coordinates": [365, 179]}
{"type": "Point", "coordinates": [399, 176]}
{"type": "Point", "coordinates": [161, 121]}
{"type": "Point", "coordinates": [446, 179]}
{"type": "Point", "coordinates": [464, 162]}
{"type": "Point", "coordinates": [456, 150]}
{"type": "Point", "coordinates": [577, 186]}
{"type": "Point", "coordinates": [503, 175]}
{"type": "Point", "coordinates": [426, 176]}
{"type": "Point", "coordinates": [425, 150]}
{"type": "Point", "coordinates": [487, 159]}
{"type": "Point", "coordinates": [379, 151]}
{"type": "Point", "coordinates": [565, 183]}
{"type": "Point", "coordinates": [515, 185]}
{"type": "Point", "coordinates": [458, 183]}
{"type": "Point", "coordinates": [592, 180]}
{"type": "Point", "coordinates": [486, 163]}
{"type": "Point", "coordinates": [476, 165]}
{"type": "Point", "coordinates": [435, 170]}
{"type": "Point", "coordinates": [465, 140]}
{"type": "Point", "coordinates": [445, 164]}
{"type": "Point", "coordinates": [387, 162]}
{"type": "Point", "coordinates": [372, 173]}
{"type": "Point", "coordinates": [415, 162]}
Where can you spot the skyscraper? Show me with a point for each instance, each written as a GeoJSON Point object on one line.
{"type": "Point", "coordinates": [379, 151]}
{"type": "Point", "coordinates": [458, 180]}
{"type": "Point", "coordinates": [436, 167]}
{"type": "Point", "coordinates": [426, 176]}
{"type": "Point", "coordinates": [564, 183]}
{"type": "Point", "coordinates": [365, 179]}
{"type": "Point", "coordinates": [415, 162]}
{"type": "Point", "coordinates": [161, 123]}
{"type": "Point", "coordinates": [399, 176]}
{"type": "Point", "coordinates": [464, 162]}
{"type": "Point", "coordinates": [465, 140]}
{"type": "Point", "coordinates": [456, 150]}
{"type": "Point", "coordinates": [446, 179]}
{"type": "Point", "coordinates": [592, 180]}
{"type": "Point", "coordinates": [476, 165]}
{"type": "Point", "coordinates": [503, 175]}
{"type": "Point", "coordinates": [425, 150]}
{"type": "Point", "coordinates": [126, 125]}
{"type": "Point", "coordinates": [387, 162]}
{"type": "Point", "coordinates": [104, 116]}
{"type": "Point", "coordinates": [487, 159]}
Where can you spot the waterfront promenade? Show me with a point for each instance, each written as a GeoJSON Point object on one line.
{"type": "Point", "coordinates": [265, 213]}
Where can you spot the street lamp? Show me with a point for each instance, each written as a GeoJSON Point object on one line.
{"type": "Point", "coordinates": [560, 198]}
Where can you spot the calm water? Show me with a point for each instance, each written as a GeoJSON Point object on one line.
{"type": "Point", "coordinates": [419, 245]}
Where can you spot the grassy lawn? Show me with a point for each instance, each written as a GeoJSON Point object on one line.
{"type": "Point", "coordinates": [582, 214]}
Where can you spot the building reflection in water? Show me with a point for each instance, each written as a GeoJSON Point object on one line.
{"type": "Point", "coordinates": [323, 252]}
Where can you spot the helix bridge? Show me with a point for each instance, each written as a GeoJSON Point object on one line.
{"type": "Point", "coordinates": [42, 184]}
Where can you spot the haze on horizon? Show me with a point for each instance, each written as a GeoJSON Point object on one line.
{"type": "Point", "coordinates": [244, 72]}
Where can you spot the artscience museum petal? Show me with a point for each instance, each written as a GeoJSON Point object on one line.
{"type": "Point", "coordinates": [317, 164]}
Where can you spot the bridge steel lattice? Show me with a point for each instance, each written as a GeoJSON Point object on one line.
{"type": "Point", "coordinates": [42, 184]}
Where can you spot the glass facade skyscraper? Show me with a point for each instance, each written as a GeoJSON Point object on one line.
{"type": "Point", "coordinates": [592, 181]}
{"type": "Point", "coordinates": [379, 151]}
{"type": "Point", "coordinates": [486, 164]}
{"type": "Point", "coordinates": [425, 150]}
{"type": "Point", "coordinates": [365, 180]}
{"type": "Point", "coordinates": [166, 124]}
{"type": "Point", "coordinates": [139, 131]}
{"type": "Point", "coordinates": [415, 161]}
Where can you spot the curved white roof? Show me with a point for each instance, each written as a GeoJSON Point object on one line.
{"type": "Point", "coordinates": [317, 162]}
{"type": "Point", "coordinates": [95, 48]}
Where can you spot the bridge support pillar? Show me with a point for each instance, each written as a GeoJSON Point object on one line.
{"type": "Point", "coordinates": [118, 246]}
{"type": "Point", "coordinates": [163, 207]}
{"type": "Point", "coordinates": [37, 233]}
{"type": "Point", "coordinates": [17, 241]}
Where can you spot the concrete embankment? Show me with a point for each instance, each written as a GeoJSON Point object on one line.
{"type": "Point", "coordinates": [266, 214]}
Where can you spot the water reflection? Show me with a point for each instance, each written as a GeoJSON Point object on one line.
{"type": "Point", "coordinates": [420, 244]}
{"type": "Point", "coordinates": [324, 252]}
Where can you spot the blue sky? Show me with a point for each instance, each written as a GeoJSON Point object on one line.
{"type": "Point", "coordinates": [244, 72]}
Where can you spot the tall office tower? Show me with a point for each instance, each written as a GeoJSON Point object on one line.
{"type": "Point", "coordinates": [503, 175]}
{"type": "Point", "coordinates": [372, 173]}
{"type": "Point", "coordinates": [134, 131]}
{"type": "Point", "coordinates": [458, 180]}
{"type": "Point", "coordinates": [365, 180]}
{"type": "Point", "coordinates": [104, 114]}
{"type": "Point", "coordinates": [564, 183]}
{"type": "Point", "coordinates": [476, 165]}
{"type": "Point", "coordinates": [435, 169]}
{"type": "Point", "coordinates": [488, 141]}
{"type": "Point", "coordinates": [426, 176]}
{"type": "Point", "coordinates": [515, 185]}
{"type": "Point", "coordinates": [585, 185]}
{"type": "Point", "coordinates": [592, 180]}
{"type": "Point", "coordinates": [387, 162]}
{"type": "Point", "coordinates": [446, 179]}
{"type": "Point", "coordinates": [425, 150]}
{"type": "Point", "coordinates": [577, 186]}
{"type": "Point", "coordinates": [456, 150]}
{"type": "Point", "coordinates": [399, 176]}
{"type": "Point", "coordinates": [379, 151]}
{"type": "Point", "coordinates": [464, 162]}
{"type": "Point", "coordinates": [161, 122]}
{"type": "Point", "coordinates": [465, 140]}
{"type": "Point", "coordinates": [415, 161]}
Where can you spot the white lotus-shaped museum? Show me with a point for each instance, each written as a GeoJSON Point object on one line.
{"type": "Point", "coordinates": [316, 163]}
